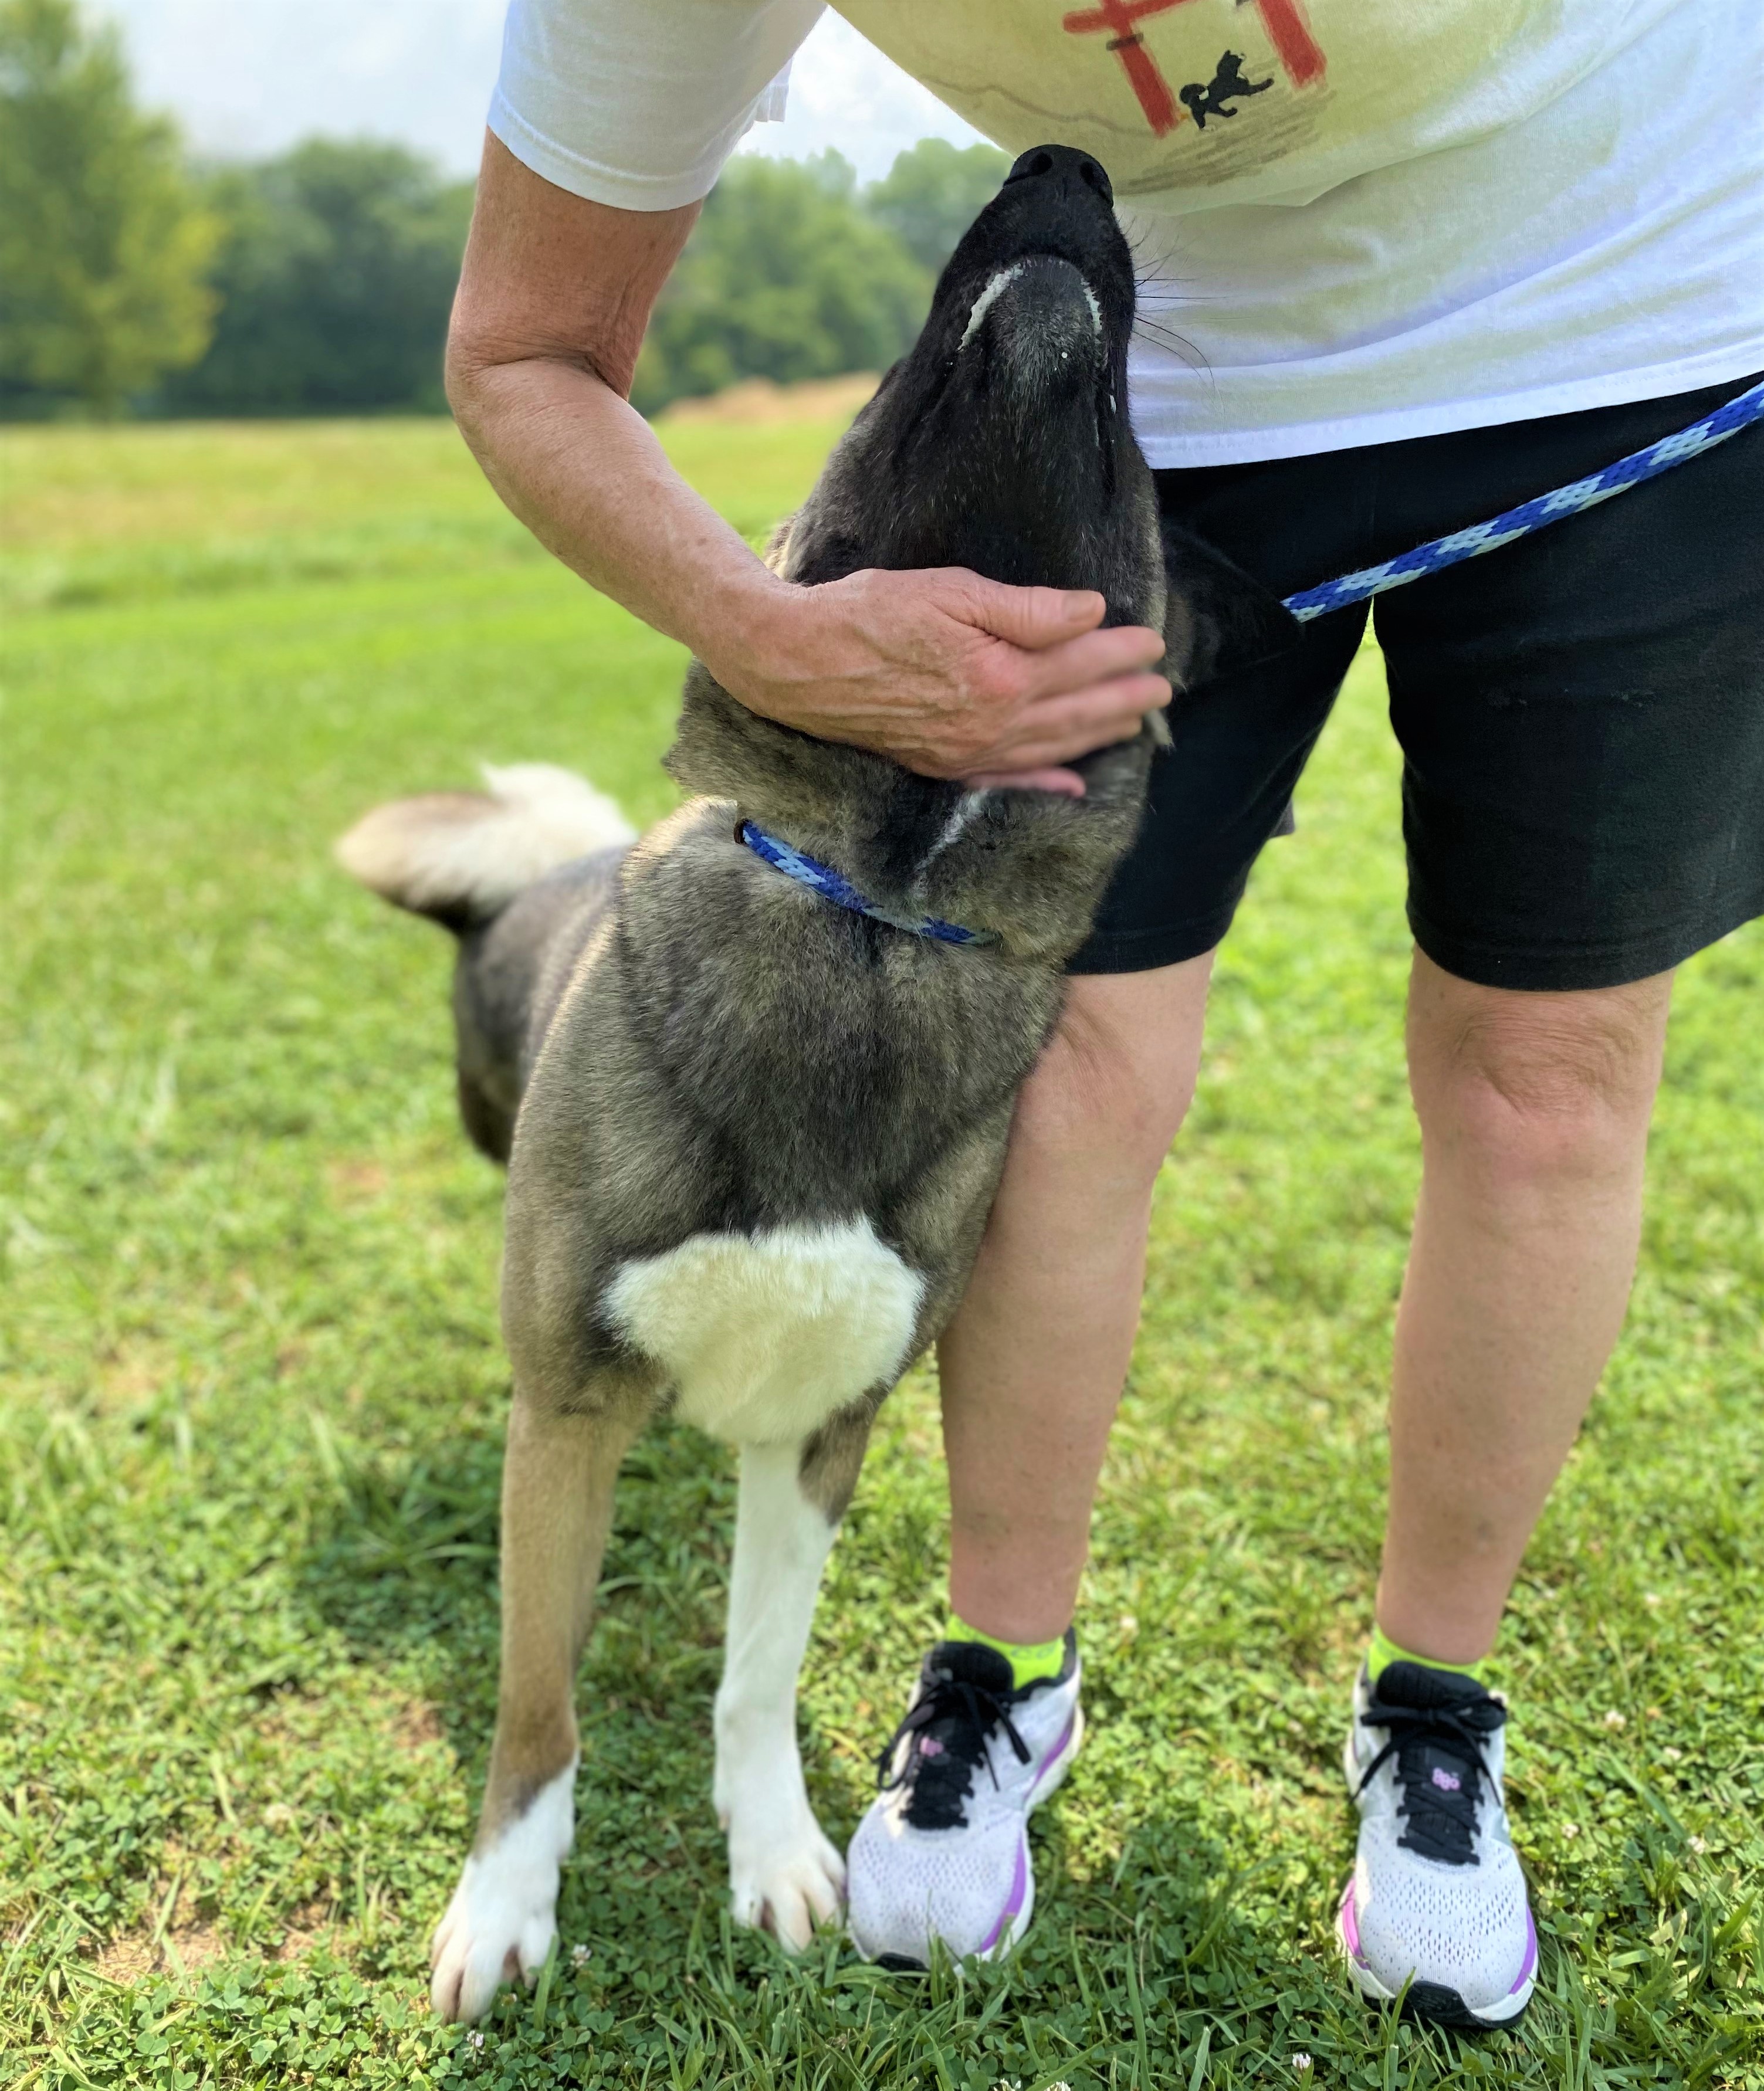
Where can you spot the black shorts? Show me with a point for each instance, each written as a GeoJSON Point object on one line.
{"type": "Point", "coordinates": [1580, 713]}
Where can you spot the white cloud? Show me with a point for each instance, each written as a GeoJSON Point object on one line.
{"type": "Point", "coordinates": [844, 94]}
{"type": "Point", "coordinates": [247, 78]}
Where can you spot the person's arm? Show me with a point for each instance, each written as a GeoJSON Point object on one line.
{"type": "Point", "coordinates": [953, 675]}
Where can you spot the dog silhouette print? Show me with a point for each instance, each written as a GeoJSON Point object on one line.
{"type": "Point", "coordinates": [1227, 85]}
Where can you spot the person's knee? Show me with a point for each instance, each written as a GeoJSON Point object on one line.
{"type": "Point", "coordinates": [1116, 1078]}
{"type": "Point", "coordinates": [1536, 1085]}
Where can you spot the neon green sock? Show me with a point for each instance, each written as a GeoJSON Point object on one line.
{"type": "Point", "coordinates": [1028, 1659]}
{"type": "Point", "coordinates": [1382, 1650]}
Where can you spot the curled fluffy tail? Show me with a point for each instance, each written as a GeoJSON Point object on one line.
{"type": "Point", "coordinates": [461, 856]}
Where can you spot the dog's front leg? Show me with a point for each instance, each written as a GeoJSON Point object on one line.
{"type": "Point", "coordinates": [557, 1508]}
{"type": "Point", "coordinates": [782, 1872]}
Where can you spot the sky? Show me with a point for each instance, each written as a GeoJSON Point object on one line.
{"type": "Point", "coordinates": [247, 78]}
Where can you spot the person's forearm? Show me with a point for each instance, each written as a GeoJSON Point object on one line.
{"type": "Point", "coordinates": [584, 470]}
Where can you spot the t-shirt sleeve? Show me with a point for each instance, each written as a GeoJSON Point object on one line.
{"type": "Point", "coordinates": [637, 103]}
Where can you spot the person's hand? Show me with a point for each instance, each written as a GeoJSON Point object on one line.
{"type": "Point", "coordinates": [952, 675]}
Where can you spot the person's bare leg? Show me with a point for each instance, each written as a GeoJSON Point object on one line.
{"type": "Point", "coordinates": [1534, 1111]}
{"type": "Point", "coordinates": [1032, 1366]}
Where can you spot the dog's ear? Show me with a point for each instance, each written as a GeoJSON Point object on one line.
{"type": "Point", "coordinates": [777, 553]}
{"type": "Point", "coordinates": [1219, 619]}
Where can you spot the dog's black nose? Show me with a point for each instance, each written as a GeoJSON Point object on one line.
{"type": "Point", "coordinates": [1042, 160]}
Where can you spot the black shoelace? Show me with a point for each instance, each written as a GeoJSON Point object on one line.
{"type": "Point", "coordinates": [955, 1716]}
{"type": "Point", "coordinates": [1439, 1764]}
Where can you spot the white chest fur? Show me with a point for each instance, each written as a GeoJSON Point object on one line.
{"type": "Point", "coordinates": [765, 1335]}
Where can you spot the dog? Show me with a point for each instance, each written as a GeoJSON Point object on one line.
{"type": "Point", "coordinates": [754, 1121]}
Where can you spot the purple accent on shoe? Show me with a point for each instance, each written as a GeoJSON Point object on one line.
{"type": "Point", "coordinates": [1350, 1928]}
{"type": "Point", "coordinates": [1053, 1755]}
{"type": "Point", "coordinates": [1019, 1881]}
{"type": "Point", "coordinates": [1531, 1956]}
{"type": "Point", "coordinates": [1447, 1782]}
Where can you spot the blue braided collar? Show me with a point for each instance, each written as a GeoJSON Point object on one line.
{"type": "Point", "coordinates": [832, 886]}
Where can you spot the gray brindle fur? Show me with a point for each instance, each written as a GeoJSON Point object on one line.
{"type": "Point", "coordinates": [752, 1138]}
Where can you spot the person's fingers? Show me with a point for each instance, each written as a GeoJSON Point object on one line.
{"type": "Point", "coordinates": [1048, 733]}
{"type": "Point", "coordinates": [1067, 783]}
{"type": "Point", "coordinates": [1051, 733]}
{"type": "Point", "coordinates": [1097, 656]}
{"type": "Point", "coordinates": [1089, 718]}
{"type": "Point", "coordinates": [1033, 617]}
{"type": "Point", "coordinates": [1055, 738]}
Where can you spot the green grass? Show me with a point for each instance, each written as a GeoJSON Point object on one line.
{"type": "Point", "coordinates": [254, 1397]}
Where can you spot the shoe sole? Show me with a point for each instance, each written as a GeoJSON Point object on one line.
{"type": "Point", "coordinates": [1047, 1782]}
{"type": "Point", "coordinates": [1431, 2003]}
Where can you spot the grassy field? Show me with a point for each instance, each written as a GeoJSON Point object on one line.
{"type": "Point", "coordinates": [254, 1397]}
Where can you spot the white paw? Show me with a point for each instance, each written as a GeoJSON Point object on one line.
{"type": "Point", "coordinates": [503, 1915]}
{"type": "Point", "coordinates": [783, 1879]}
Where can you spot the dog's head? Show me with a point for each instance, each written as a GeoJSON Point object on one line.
{"type": "Point", "coordinates": [1000, 443]}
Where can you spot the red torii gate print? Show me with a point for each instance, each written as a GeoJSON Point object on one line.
{"type": "Point", "coordinates": [1283, 20]}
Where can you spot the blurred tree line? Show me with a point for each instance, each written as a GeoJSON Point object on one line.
{"type": "Point", "coordinates": [795, 272]}
{"type": "Point", "coordinates": [320, 282]}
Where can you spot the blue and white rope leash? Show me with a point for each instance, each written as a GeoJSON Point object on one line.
{"type": "Point", "coordinates": [1727, 419]}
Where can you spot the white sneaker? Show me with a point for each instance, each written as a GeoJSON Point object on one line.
{"type": "Point", "coordinates": [1436, 1912]}
{"type": "Point", "coordinates": [943, 1853]}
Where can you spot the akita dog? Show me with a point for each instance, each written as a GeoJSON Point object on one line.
{"type": "Point", "coordinates": [754, 1073]}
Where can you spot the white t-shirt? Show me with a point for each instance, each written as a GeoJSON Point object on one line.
{"type": "Point", "coordinates": [1364, 219]}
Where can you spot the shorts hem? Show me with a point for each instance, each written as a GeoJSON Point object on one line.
{"type": "Point", "coordinates": [1564, 971]}
{"type": "Point", "coordinates": [1145, 950]}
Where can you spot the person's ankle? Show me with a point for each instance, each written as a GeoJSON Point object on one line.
{"type": "Point", "coordinates": [1380, 1651]}
{"type": "Point", "coordinates": [1030, 1662]}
